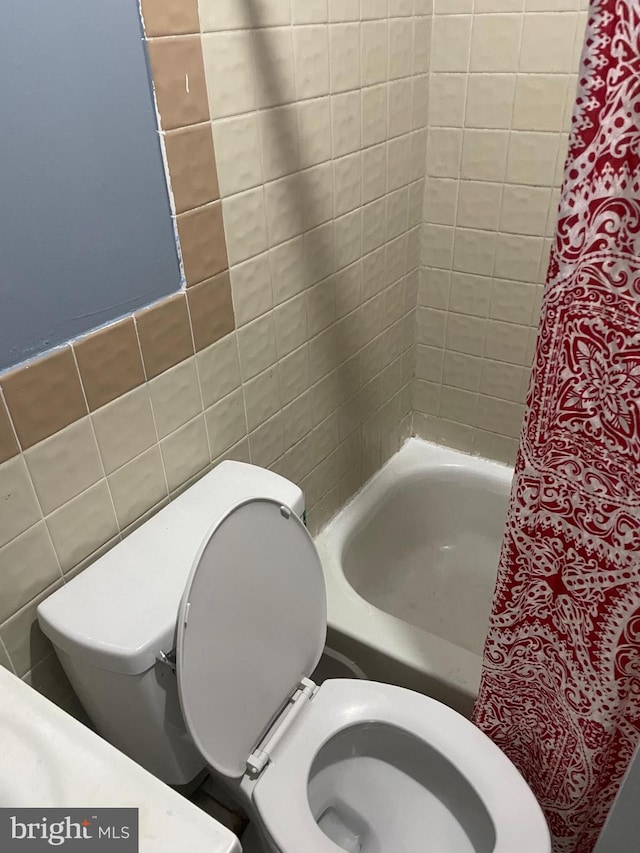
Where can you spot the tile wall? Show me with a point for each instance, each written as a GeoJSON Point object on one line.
{"type": "Point", "coordinates": [292, 343]}
{"type": "Point", "coordinates": [502, 86]}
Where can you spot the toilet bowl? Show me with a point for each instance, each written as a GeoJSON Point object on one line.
{"type": "Point", "coordinates": [350, 765]}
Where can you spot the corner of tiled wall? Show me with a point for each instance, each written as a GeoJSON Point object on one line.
{"type": "Point", "coordinates": [502, 87]}
{"type": "Point", "coordinates": [312, 195]}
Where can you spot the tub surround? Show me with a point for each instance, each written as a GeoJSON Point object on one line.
{"type": "Point", "coordinates": [49, 759]}
{"type": "Point", "coordinates": [413, 608]}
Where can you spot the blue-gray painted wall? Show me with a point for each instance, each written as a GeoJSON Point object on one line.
{"type": "Point", "coordinates": [85, 227]}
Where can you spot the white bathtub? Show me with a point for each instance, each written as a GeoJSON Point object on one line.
{"type": "Point", "coordinates": [410, 566]}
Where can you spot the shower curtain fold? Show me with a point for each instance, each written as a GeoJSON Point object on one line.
{"type": "Point", "coordinates": [560, 690]}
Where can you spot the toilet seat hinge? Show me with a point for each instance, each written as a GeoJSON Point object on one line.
{"type": "Point", "coordinates": [261, 756]}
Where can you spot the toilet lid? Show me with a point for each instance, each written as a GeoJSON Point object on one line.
{"type": "Point", "coordinates": [251, 624]}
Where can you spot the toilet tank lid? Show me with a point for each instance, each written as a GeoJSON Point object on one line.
{"type": "Point", "coordinates": [122, 610]}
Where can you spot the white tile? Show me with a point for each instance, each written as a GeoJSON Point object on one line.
{"type": "Point", "coordinates": [532, 158]}
{"type": "Point", "coordinates": [545, 38]}
{"type": "Point", "coordinates": [447, 94]}
{"type": "Point", "coordinates": [445, 150]}
{"type": "Point", "coordinates": [316, 195]}
{"type": "Point", "coordinates": [374, 173]}
{"type": "Point", "coordinates": [490, 100]}
{"type": "Point", "coordinates": [344, 10]}
{"type": "Point", "coordinates": [245, 224]}
{"type": "Point", "coordinates": [372, 9]}
{"type": "Point", "coordinates": [228, 56]}
{"type": "Point", "coordinates": [495, 43]}
{"type": "Point", "coordinates": [399, 107]}
{"type": "Point", "coordinates": [399, 162]}
{"type": "Point", "coordinates": [238, 158]}
{"type": "Point", "coordinates": [421, 45]}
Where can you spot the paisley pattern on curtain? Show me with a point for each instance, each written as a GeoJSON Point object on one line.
{"type": "Point", "coordinates": [560, 690]}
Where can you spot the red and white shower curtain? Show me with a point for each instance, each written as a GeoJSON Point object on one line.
{"type": "Point", "coordinates": [560, 690]}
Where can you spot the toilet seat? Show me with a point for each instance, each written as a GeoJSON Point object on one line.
{"type": "Point", "coordinates": [280, 794]}
{"type": "Point", "coordinates": [251, 629]}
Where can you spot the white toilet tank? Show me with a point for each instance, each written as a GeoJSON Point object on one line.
{"type": "Point", "coordinates": [111, 624]}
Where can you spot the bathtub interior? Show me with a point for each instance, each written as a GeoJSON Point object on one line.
{"type": "Point", "coordinates": [427, 552]}
{"type": "Point", "coordinates": [433, 804]}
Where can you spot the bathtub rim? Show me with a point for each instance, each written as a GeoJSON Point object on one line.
{"type": "Point", "coordinates": [348, 613]}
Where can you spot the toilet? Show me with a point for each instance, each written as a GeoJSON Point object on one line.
{"type": "Point", "coordinates": [190, 645]}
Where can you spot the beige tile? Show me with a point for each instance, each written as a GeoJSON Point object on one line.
{"type": "Point", "coordinates": [49, 679]}
{"type": "Point", "coordinates": [219, 369]}
{"type": "Point", "coordinates": [451, 43]}
{"type": "Point", "coordinates": [426, 396]}
{"type": "Point", "coordinates": [8, 442]}
{"type": "Point", "coordinates": [445, 150]}
{"type": "Point", "coordinates": [433, 290]}
{"type": "Point", "coordinates": [460, 370]}
{"type": "Point", "coordinates": [512, 301]}
{"type": "Point", "coordinates": [287, 269]}
{"type": "Point", "coordinates": [518, 257]}
{"type": "Point", "coordinates": [262, 397]}
{"type": "Point", "coordinates": [83, 525]}
{"type": "Point", "coordinates": [447, 99]}
{"type": "Point", "coordinates": [505, 381]}
{"type": "Point", "coordinates": [311, 56]}
{"type": "Point", "coordinates": [458, 405]}
{"type": "Point", "coordinates": [484, 155]}
{"type": "Point", "coordinates": [437, 246]}
{"type": "Point", "coordinates": [465, 334]}
{"type": "Point", "coordinates": [479, 205]}
{"type": "Point", "coordinates": [375, 52]}
{"type": "Point", "coordinates": [174, 61]}
{"type": "Point", "coordinates": [192, 166]}
{"type": "Point", "coordinates": [229, 56]}
{"type": "Point", "coordinates": [474, 251]}
{"type": "Point", "coordinates": [495, 42]}
{"type": "Point", "coordinates": [257, 346]}
{"type": "Point", "coordinates": [20, 507]}
{"type": "Point", "coordinates": [202, 242]}
{"type": "Point", "coordinates": [5, 660]}
{"type": "Point", "coordinates": [540, 101]}
{"type": "Point", "coordinates": [344, 57]}
{"type": "Point", "coordinates": [314, 130]}
{"type": "Point", "coordinates": [500, 416]}
{"type": "Point", "coordinates": [245, 219]}
{"type": "Point", "coordinates": [532, 158]}
{"type": "Point", "coordinates": [251, 288]}
{"type": "Point", "coordinates": [431, 326]}
{"type": "Point", "coordinates": [211, 310]}
{"type": "Point", "coordinates": [277, 86]}
{"type": "Point", "coordinates": [238, 155]}
{"type": "Point", "coordinates": [400, 47]}
{"type": "Point", "coordinates": [291, 324]}
{"type": "Point", "coordinates": [226, 422]}
{"type": "Point", "coordinates": [140, 485]}
{"type": "Point", "coordinates": [490, 100]}
{"type": "Point", "coordinates": [175, 397]}
{"type": "Point", "coordinates": [64, 465]}
{"type": "Point", "coordinates": [440, 201]}
{"type": "Point", "coordinates": [545, 41]}
{"type": "Point", "coordinates": [28, 565]}
{"type": "Point", "coordinates": [506, 342]}
{"type": "Point", "coordinates": [170, 17]}
{"type": "Point", "coordinates": [525, 210]}
{"type": "Point", "coordinates": [44, 396]}
{"type": "Point", "coordinates": [25, 643]}
{"type": "Point", "coordinates": [124, 428]}
{"type": "Point", "coordinates": [296, 420]}
{"type": "Point", "coordinates": [470, 294]}
{"type": "Point", "coordinates": [293, 374]}
{"type": "Point", "coordinates": [165, 334]}
{"type": "Point", "coordinates": [429, 363]}
{"type": "Point", "coordinates": [267, 442]}
{"type": "Point", "coordinates": [280, 145]}
{"type": "Point", "coordinates": [110, 362]}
